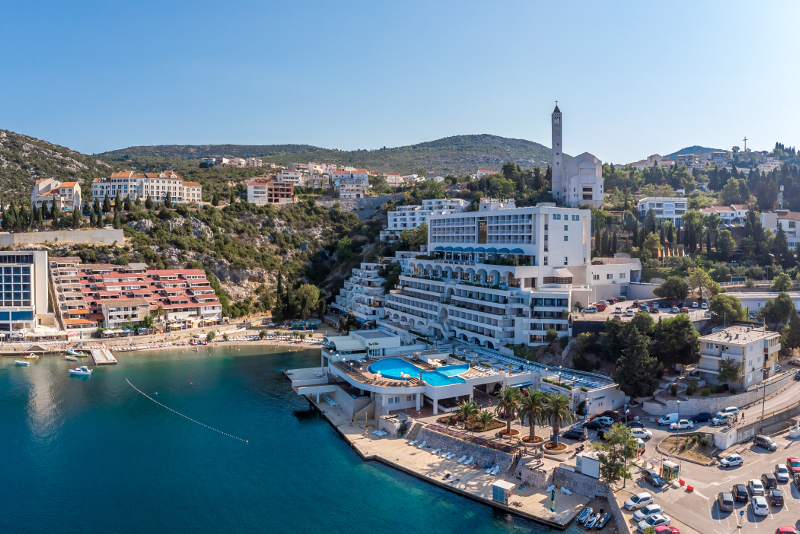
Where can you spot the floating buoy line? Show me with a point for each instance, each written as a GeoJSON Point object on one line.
{"type": "Point", "coordinates": [184, 416]}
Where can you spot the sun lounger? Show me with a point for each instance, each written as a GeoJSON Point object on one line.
{"type": "Point", "coordinates": [414, 442]}
{"type": "Point", "coordinates": [437, 451]}
{"type": "Point", "coordinates": [495, 470]}
{"type": "Point", "coordinates": [468, 462]}
{"type": "Point", "coordinates": [422, 445]}
{"type": "Point", "coordinates": [550, 488]}
{"type": "Point", "coordinates": [449, 455]}
{"type": "Point", "coordinates": [462, 459]}
{"type": "Point", "coordinates": [489, 470]}
{"type": "Point", "coordinates": [565, 491]}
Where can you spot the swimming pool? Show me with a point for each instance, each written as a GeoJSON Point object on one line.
{"type": "Point", "coordinates": [395, 368]}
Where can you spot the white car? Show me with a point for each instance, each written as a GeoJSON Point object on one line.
{"type": "Point", "coordinates": [629, 313]}
{"type": "Point", "coordinates": [605, 420]}
{"type": "Point", "coordinates": [641, 433]}
{"type": "Point", "coordinates": [760, 506]}
{"type": "Point", "coordinates": [755, 487]}
{"type": "Point", "coordinates": [695, 305]}
{"type": "Point", "coordinates": [681, 425]}
{"type": "Point", "coordinates": [640, 499]}
{"type": "Point", "coordinates": [721, 419]}
{"type": "Point", "coordinates": [782, 473]}
{"type": "Point", "coordinates": [653, 521]}
{"type": "Point", "coordinates": [731, 410]}
{"type": "Point", "coordinates": [647, 511]}
{"type": "Point", "coordinates": [732, 460]}
{"type": "Point", "coordinates": [704, 306]}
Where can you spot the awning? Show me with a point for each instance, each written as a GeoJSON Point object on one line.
{"type": "Point", "coordinates": [345, 343]}
{"type": "Point", "coordinates": [438, 249]}
{"type": "Point", "coordinates": [491, 250]}
{"type": "Point", "coordinates": [360, 320]}
{"type": "Point", "coordinates": [503, 251]}
{"type": "Point", "coordinates": [563, 273]}
{"type": "Point", "coordinates": [468, 249]}
{"type": "Point", "coordinates": [480, 249]}
{"type": "Point", "coordinates": [517, 251]}
{"type": "Point", "coordinates": [456, 249]}
{"type": "Point", "coordinates": [523, 385]}
{"type": "Point", "coordinates": [448, 249]}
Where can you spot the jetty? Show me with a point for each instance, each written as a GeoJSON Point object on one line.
{"type": "Point", "coordinates": [102, 357]}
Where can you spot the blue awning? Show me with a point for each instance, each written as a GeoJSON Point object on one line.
{"type": "Point", "coordinates": [347, 313]}
{"type": "Point", "coordinates": [456, 249]}
{"type": "Point", "coordinates": [360, 320]}
{"type": "Point", "coordinates": [480, 249]}
{"type": "Point", "coordinates": [517, 251]}
{"type": "Point", "coordinates": [491, 250]}
{"type": "Point", "coordinates": [448, 249]}
{"type": "Point", "coordinates": [469, 249]}
{"type": "Point", "coordinates": [503, 251]}
{"type": "Point", "coordinates": [523, 385]}
{"type": "Point", "coordinates": [439, 249]}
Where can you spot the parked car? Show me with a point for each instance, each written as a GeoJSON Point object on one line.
{"type": "Point", "coordinates": [635, 304]}
{"type": "Point", "coordinates": [740, 492]}
{"type": "Point", "coordinates": [760, 506]}
{"type": "Point", "coordinates": [601, 306]}
{"type": "Point", "coordinates": [656, 520]}
{"type": "Point", "coordinates": [796, 479]}
{"type": "Point", "coordinates": [653, 478]}
{"type": "Point", "coordinates": [601, 434]}
{"type": "Point", "coordinates": [721, 419]}
{"type": "Point", "coordinates": [704, 306]}
{"type": "Point", "coordinates": [695, 305]}
{"type": "Point", "coordinates": [647, 511]}
{"type": "Point", "coordinates": [675, 310]}
{"type": "Point", "coordinates": [622, 299]}
{"type": "Point", "coordinates": [769, 480]}
{"type": "Point", "coordinates": [683, 424]}
{"type": "Point", "coordinates": [635, 424]}
{"type": "Point", "coordinates": [653, 309]}
{"type": "Point", "coordinates": [684, 309]}
{"type": "Point", "coordinates": [629, 313]}
{"type": "Point", "coordinates": [638, 500]}
{"type": "Point", "coordinates": [786, 530]}
{"type": "Point", "coordinates": [592, 425]}
{"type": "Point", "coordinates": [702, 417]}
{"type": "Point", "coordinates": [725, 501]}
{"type": "Point", "coordinates": [732, 460]}
{"type": "Point", "coordinates": [796, 376]}
{"type": "Point", "coordinates": [605, 420]}
{"type": "Point", "coordinates": [782, 473]}
{"type": "Point", "coordinates": [775, 497]}
{"type": "Point", "coordinates": [668, 419]}
{"type": "Point", "coordinates": [765, 442]}
{"type": "Point", "coordinates": [641, 433]}
{"type": "Point", "coordinates": [732, 409]}
{"type": "Point", "coordinates": [793, 464]}
{"type": "Point", "coordinates": [643, 308]}
{"type": "Point", "coordinates": [755, 487]}
{"type": "Point", "coordinates": [778, 368]}
{"type": "Point", "coordinates": [666, 529]}
{"type": "Point", "coordinates": [576, 433]}
{"type": "Point", "coordinates": [612, 300]}
{"type": "Point", "coordinates": [590, 309]}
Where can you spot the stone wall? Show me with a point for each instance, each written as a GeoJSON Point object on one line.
{"type": "Point", "coordinates": [616, 512]}
{"type": "Point", "coordinates": [103, 236]}
{"type": "Point", "coordinates": [538, 478]}
{"type": "Point", "coordinates": [480, 454]}
{"type": "Point", "coordinates": [715, 404]}
{"type": "Point", "coordinates": [773, 423]}
{"type": "Point", "coordinates": [579, 483]}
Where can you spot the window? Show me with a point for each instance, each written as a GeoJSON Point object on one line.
{"type": "Point", "coordinates": [556, 217]}
{"type": "Point", "coordinates": [566, 260]}
{"type": "Point", "coordinates": [622, 275]}
{"type": "Point", "coordinates": [750, 377]}
{"type": "Point", "coordinates": [545, 227]}
{"type": "Point", "coordinates": [545, 260]}
{"type": "Point", "coordinates": [595, 277]}
{"type": "Point", "coordinates": [751, 348]}
{"type": "Point", "coordinates": [576, 217]}
{"type": "Point", "coordinates": [566, 238]}
{"type": "Point", "coordinates": [750, 363]}
{"type": "Point", "coordinates": [609, 277]}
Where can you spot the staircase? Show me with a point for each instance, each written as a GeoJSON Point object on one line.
{"type": "Point", "coordinates": [414, 432]}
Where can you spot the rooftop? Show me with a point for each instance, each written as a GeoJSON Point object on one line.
{"type": "Point", "coordinates": [739, 335]}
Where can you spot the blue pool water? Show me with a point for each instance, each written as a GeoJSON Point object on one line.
{"type": "Point", "coordinates": [86, 455]}
{"type": "Point", "coordinates": [395, 368]}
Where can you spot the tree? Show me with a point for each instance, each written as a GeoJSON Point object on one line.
{"type": "Point", "coordinates": [675, 341]}
{"type": "Point", "coordinates": [468, 410]}
{"type": "Point", "coordinates": [160, 314]}
{"type": "Point", "coordinates": [673, 287]}
{"type": "Point", "coordinates": [262, 334]}
{"type": "Point", "coordinates": [148, 203]}
{"type": "Point", "coordinates": [776, 312]}
{"type": "Point", "coordinates": [551, 335]}
{"type": "Point", "coordinates": [726, 309]}
{"type": "Point", "coordinates": [118, 201]}
{"type": "Point", "coordinates": [278, 310]}
{"type": "Point", "coordinates": [531, 407]}
{"type": "Point", "coordinates": [782, 282]}
{"type": "Point", "coordinates": [210, 336]}
{"type": "Point", "coordinates": [701, 283]}
{"type": "Point", "coordinates": [790, 338]}
{"type": "Point", "coordinates": [507, 405]}
{"type": "Point", "coordinates": [730, 371]}
{"type": "Point", "coordinates": [636, 370]}
{"type": "Point", "coordinates": [322, 307]}
{"type": "Point", "coordinates": [126, 205]}
{"type": "Point", "coordinates": [619, 445]}
{"type": "Point", "coordinates": [780, 249]}
{"type": "Point", "coordinates": [168, 200]}
{"type": "Point", "coordinates": [556, 411]}
{"type": "Point", "coordinates": [106, 205]}
{"type": "Point", "coordinates": [484, 418]}
{"type": "Point", "coordinates": [726, 244]}
{"type": "Point", "coordinates": [308, 299]}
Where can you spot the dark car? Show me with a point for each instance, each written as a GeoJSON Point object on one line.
{"type": "Point", "coordinates": [621, 299]}
{"type": "Point", "coordinates": [775, 497]}
{"type": "Point", "coordinates": [653, 478]}
{"type": "Point", "coordinates": [725, 501]}
{"type": "Point", "coordinates": [740, 492]}
{"type": "Point", "coordinates": [635, 424]}
{"type": "Point", "coordinates": [769, 481]}
{"type": "Point", "coordinates": [702, 417]}
{"type": "Point", "coordinates": [797, 375]}
{"type": "Point", "coordinates": [601, 435]}
{"type": "Point", "coordinates": [592, 425]}
{"type": "Point", "coordinates": [796, 478]}
{"type": "Point", "coordinates": [575, 433]}
{"type": "Point", "coordinates": [765, 442]}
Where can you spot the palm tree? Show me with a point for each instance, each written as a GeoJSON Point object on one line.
{"type": "Point", "coordinates": [556, 411]}
{"type": "Point", "coordinates": [532, 408]}
{"type": "Point", "coordinates": [468, 410]}
{"type": "Point", "coordinates": [484, 418]}
{"type": "Point", "coordinates": [160, 314]}
{"type": "Point", "coordinates": [507, 404]}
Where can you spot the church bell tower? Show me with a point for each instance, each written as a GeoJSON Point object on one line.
{"type": "Point", "coordinates": [558, 171]}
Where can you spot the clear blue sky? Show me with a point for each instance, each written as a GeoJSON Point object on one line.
{"type": "Point", "coordinates": [632, 78]}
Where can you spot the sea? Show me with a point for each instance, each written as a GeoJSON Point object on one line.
{"type": "Point", "coordinates": [210, 441]}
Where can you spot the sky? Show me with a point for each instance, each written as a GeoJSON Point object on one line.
{"type": "Point", "coordinates": [631, 78]}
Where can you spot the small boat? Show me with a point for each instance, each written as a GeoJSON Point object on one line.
{"type": "Point", "coordinates": [592, 520]}
{"type": "Point", "coordinates": [32, 356]}
{"type": "Point", "coordinates": [23, 362]}
{"type": "Point", "coordinates": [71, 358]}
{"type": "Point", "coordinates": [81, 371]}
{"type": "Point", "coordinates": [603, 520]}
{"type": "Point", "coordinates": [76, 353]}
{"type": "Point", "coordinates": [585, 514]}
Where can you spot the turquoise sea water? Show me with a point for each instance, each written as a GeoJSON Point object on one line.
{"type": "Point", "coordinates": [93, 455]}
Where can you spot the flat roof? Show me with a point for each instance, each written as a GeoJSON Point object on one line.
{"type": "Point", "coordinates": [376, 334]}
{"type": "Point", "coordinates": [739, 335]}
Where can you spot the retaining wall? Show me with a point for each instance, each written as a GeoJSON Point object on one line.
{"type": "Point", "coordinates": [479, 453]}
{"type": "Point", "coordinates": [579, 483]}
{"type": "Point", "coordinates": [616, 512]}
{"type": "Point", "coordinates": [773, 423]}
{"type": "Point", "coordinates": [103, 236]}
{"type": "Point", "coordinates": [641, 291]}
{"type": "Point", "coordinates": [712, 405]}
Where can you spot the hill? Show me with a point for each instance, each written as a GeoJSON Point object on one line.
{"type": "Point", "coordinates": [23, 160]}
{"type": "Point", "coordinates": [457, 155]}
{"type": "Point", "coordinates": [696, 149]}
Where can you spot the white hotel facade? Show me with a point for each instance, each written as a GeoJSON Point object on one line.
{"type": "Point", "coordinates": [503, 276]}
{"type": "Point", "coordinates": [411, 217]}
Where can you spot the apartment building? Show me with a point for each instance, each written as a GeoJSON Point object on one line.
{"type": "Point", "coordinates": [262, 192]}
{"type": "Point", "coordinates": [503, 276]}
{"type": "Point", "coordinates": [411, 217]}
{"type": "Point", "coordinates": [143, 185]}
{"type": "Point", "coordinates": [289, 176]}
{"type": "Point", "coordinates": [121, 312]}
{"type": "Point", "coordinates": [65, 195]}
{"type": "Point", "coordinates": [350, 191]}
{"type": "Point", "coordinates": [23, 288]}
{"type": "Point", "coordinates": [395, 180]}
{"type": "Point", "coordinates": [665, 208]}
{"type": "Point", "coordinates": [755, 349]}
{"type": "Point", "coordinates": [789, 220]}
{"type": "Point", "coordinates": [363, 294]}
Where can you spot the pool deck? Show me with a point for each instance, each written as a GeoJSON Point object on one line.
{"type": "Point", "coordinates": [474, 483]}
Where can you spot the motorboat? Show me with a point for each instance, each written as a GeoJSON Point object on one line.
{"type": "Point", "coordinates": [585, 514]}
{"type": "Point", "coordinates": [71, 352]}
{"type": "Point", "coordinates": [81, 371]}
{"type": "Point", "coordinates": [70, 358]}
{"type": "Point", "coordinates": [602, 522]}
{"type": "Point", "coordinates": [592, 520]}
{"type": "Point", "coordinates": [32, 356]}
{"type": "Point", "coordinates": [24, 363]}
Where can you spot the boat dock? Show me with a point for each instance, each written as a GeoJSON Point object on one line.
{"type": "Point", "coordinates": [102, 357]}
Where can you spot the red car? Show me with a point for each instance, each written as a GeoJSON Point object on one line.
{"type": "Point", "coordinates": [666, 529]}
{"type": "Point", "coordinates": [601, 306]}
{"type": "Point", "coordinates": [784, 530]}
{"type": "Point", "coordinates": [793, 464]}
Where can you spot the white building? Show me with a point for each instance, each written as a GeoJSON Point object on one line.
{"type": "Point", "coordinates": [395, 180]}
{"type": "Point", "coordinates": [289, 176]}
{"type": "Point", "coordinates": [410, 217]}
{"type": "Point", "coordinates": [665, 208]}
{"type": "Point", "coordinates": [787, 219]}
{"type": "Point", "coordinates": [24, 292]}
{"type": "Point", "coordinates": [580, 181]}
{"type": "Point", "coordinates": [66, 195]}
{"type": "Point", "coordinates": [266, 191]}
{"type": "Point", "coordinates": [726, 213]}
{"type": "Point", "coordinates": [755, 349]}
{"type": "Point", "coordinates": [143, 185]}
{"type": "Point", "coordinates": [362, 294]}
{"type": "Point", "coordinates": [484, 172]}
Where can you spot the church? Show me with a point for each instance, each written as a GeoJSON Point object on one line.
{"type": "Point", "coordinates": [580, 181]}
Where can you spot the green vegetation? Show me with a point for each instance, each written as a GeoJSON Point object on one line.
{"type": "Point", "coordinates": [618, 446]}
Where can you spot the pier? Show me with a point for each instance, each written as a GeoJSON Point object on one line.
{"type": "Point", "coordinates": [102, 357]}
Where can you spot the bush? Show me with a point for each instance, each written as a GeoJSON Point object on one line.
{"type": "Point", "coordinates": [551, 336]}
{"type": "Point", "coordinates": [484, 364]}
{"type": "Point", "coordinates": [582, 363]}
{"type": "Point", "coordinates": [732, 391]}
{"type": "Point", "coordinates": [717, 389]}
{"type": "Point", "coordinates": [564, 341]}
{"type": "Point", "coordinates": [705, 392]}
{"type": "Point", "coordinates": [673, 389]}
{"type": "Point", "coordinates": [704, 441]}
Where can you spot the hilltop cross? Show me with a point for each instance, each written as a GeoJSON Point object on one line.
{"type": "Point", "coordinates": [745, 143]}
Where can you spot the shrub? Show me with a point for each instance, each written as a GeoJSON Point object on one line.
{"type": "Point", "coordinates": [704, 441]}
{"type": "Point", "coordinates": [582, 363]}
{"type": "Point", "coordinates": [705, 392]}
{"type": "Point", "coordinates": [551, 335]}
{"type": "Point", "coordinates": [673, 389]}
{"type": "Point", "coordinates": [690, 389]}
{"type": "Point", "coordinates": [718, 389]}
{"type": "Point", "coordinates": [733, 391]}
{"type": "Point", "coordinates": [564, 341]}
{"type": "Point", "coordinates": [484, 364]}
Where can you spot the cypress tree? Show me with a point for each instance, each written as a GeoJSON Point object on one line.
{"type": "Point", "coordinates": [614, 244]}
{"type": "Point", "coordinates": [106, 205]}
{"type": "Point", "coordinates": [148, 204]}
{"type": "Point", "coordinates": [117, 202]}
{"type": "Point", "coordinates": [277, 311]}
{"type": "Point", "coordinates": [96, 206]}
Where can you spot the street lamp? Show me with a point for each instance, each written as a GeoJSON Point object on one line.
{"type": "Point", "coordinates": [627, 432]}
{"type": "Point", "coordinates": [677, 429]}
{"type": "Point", "coordinates": [763, 398]}
{"type": "Point", "coordinates": [559, 375]}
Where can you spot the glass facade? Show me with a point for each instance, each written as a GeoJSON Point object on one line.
{"type": "Point", "coordinates": [16, 285]}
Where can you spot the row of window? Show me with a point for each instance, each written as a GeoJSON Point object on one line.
{"type": "Point", "coordinates": [609, 276]}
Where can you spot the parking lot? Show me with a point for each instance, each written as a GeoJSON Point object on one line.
{"type": "Point", "coordinates": [695, 314]}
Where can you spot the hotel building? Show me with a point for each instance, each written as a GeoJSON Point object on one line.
{"type": "Point", "coordinates": [411, 217]}
{"type": "Point", "coordinates": [362, 294]}
{"type": "Point", "coordinates": [143, 185]}
{"type": "Point", "coordinates": [755, 349]}
{"type": "Point", "coordinates": [665, 209]}
{"type": "Point", "coordinates": [23, 290]}
{"type": "Point", "coordinates": [66, 195]}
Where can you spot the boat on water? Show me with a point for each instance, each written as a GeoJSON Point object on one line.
{"type": "Point", "coordinates": [23, 362]}
{"type": "Point", "coordinates": [71, 358]}
{"type": "Point", "coordinates": [585, 514]}
{"type": "Point", "coordinates": [71, 352]}
{"type": "Point", "coordinates": [32, 356]}
{"type": "Point", "coordinates": [602, 522]}
{"type": "Point", "coordinates": [81, 371]}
